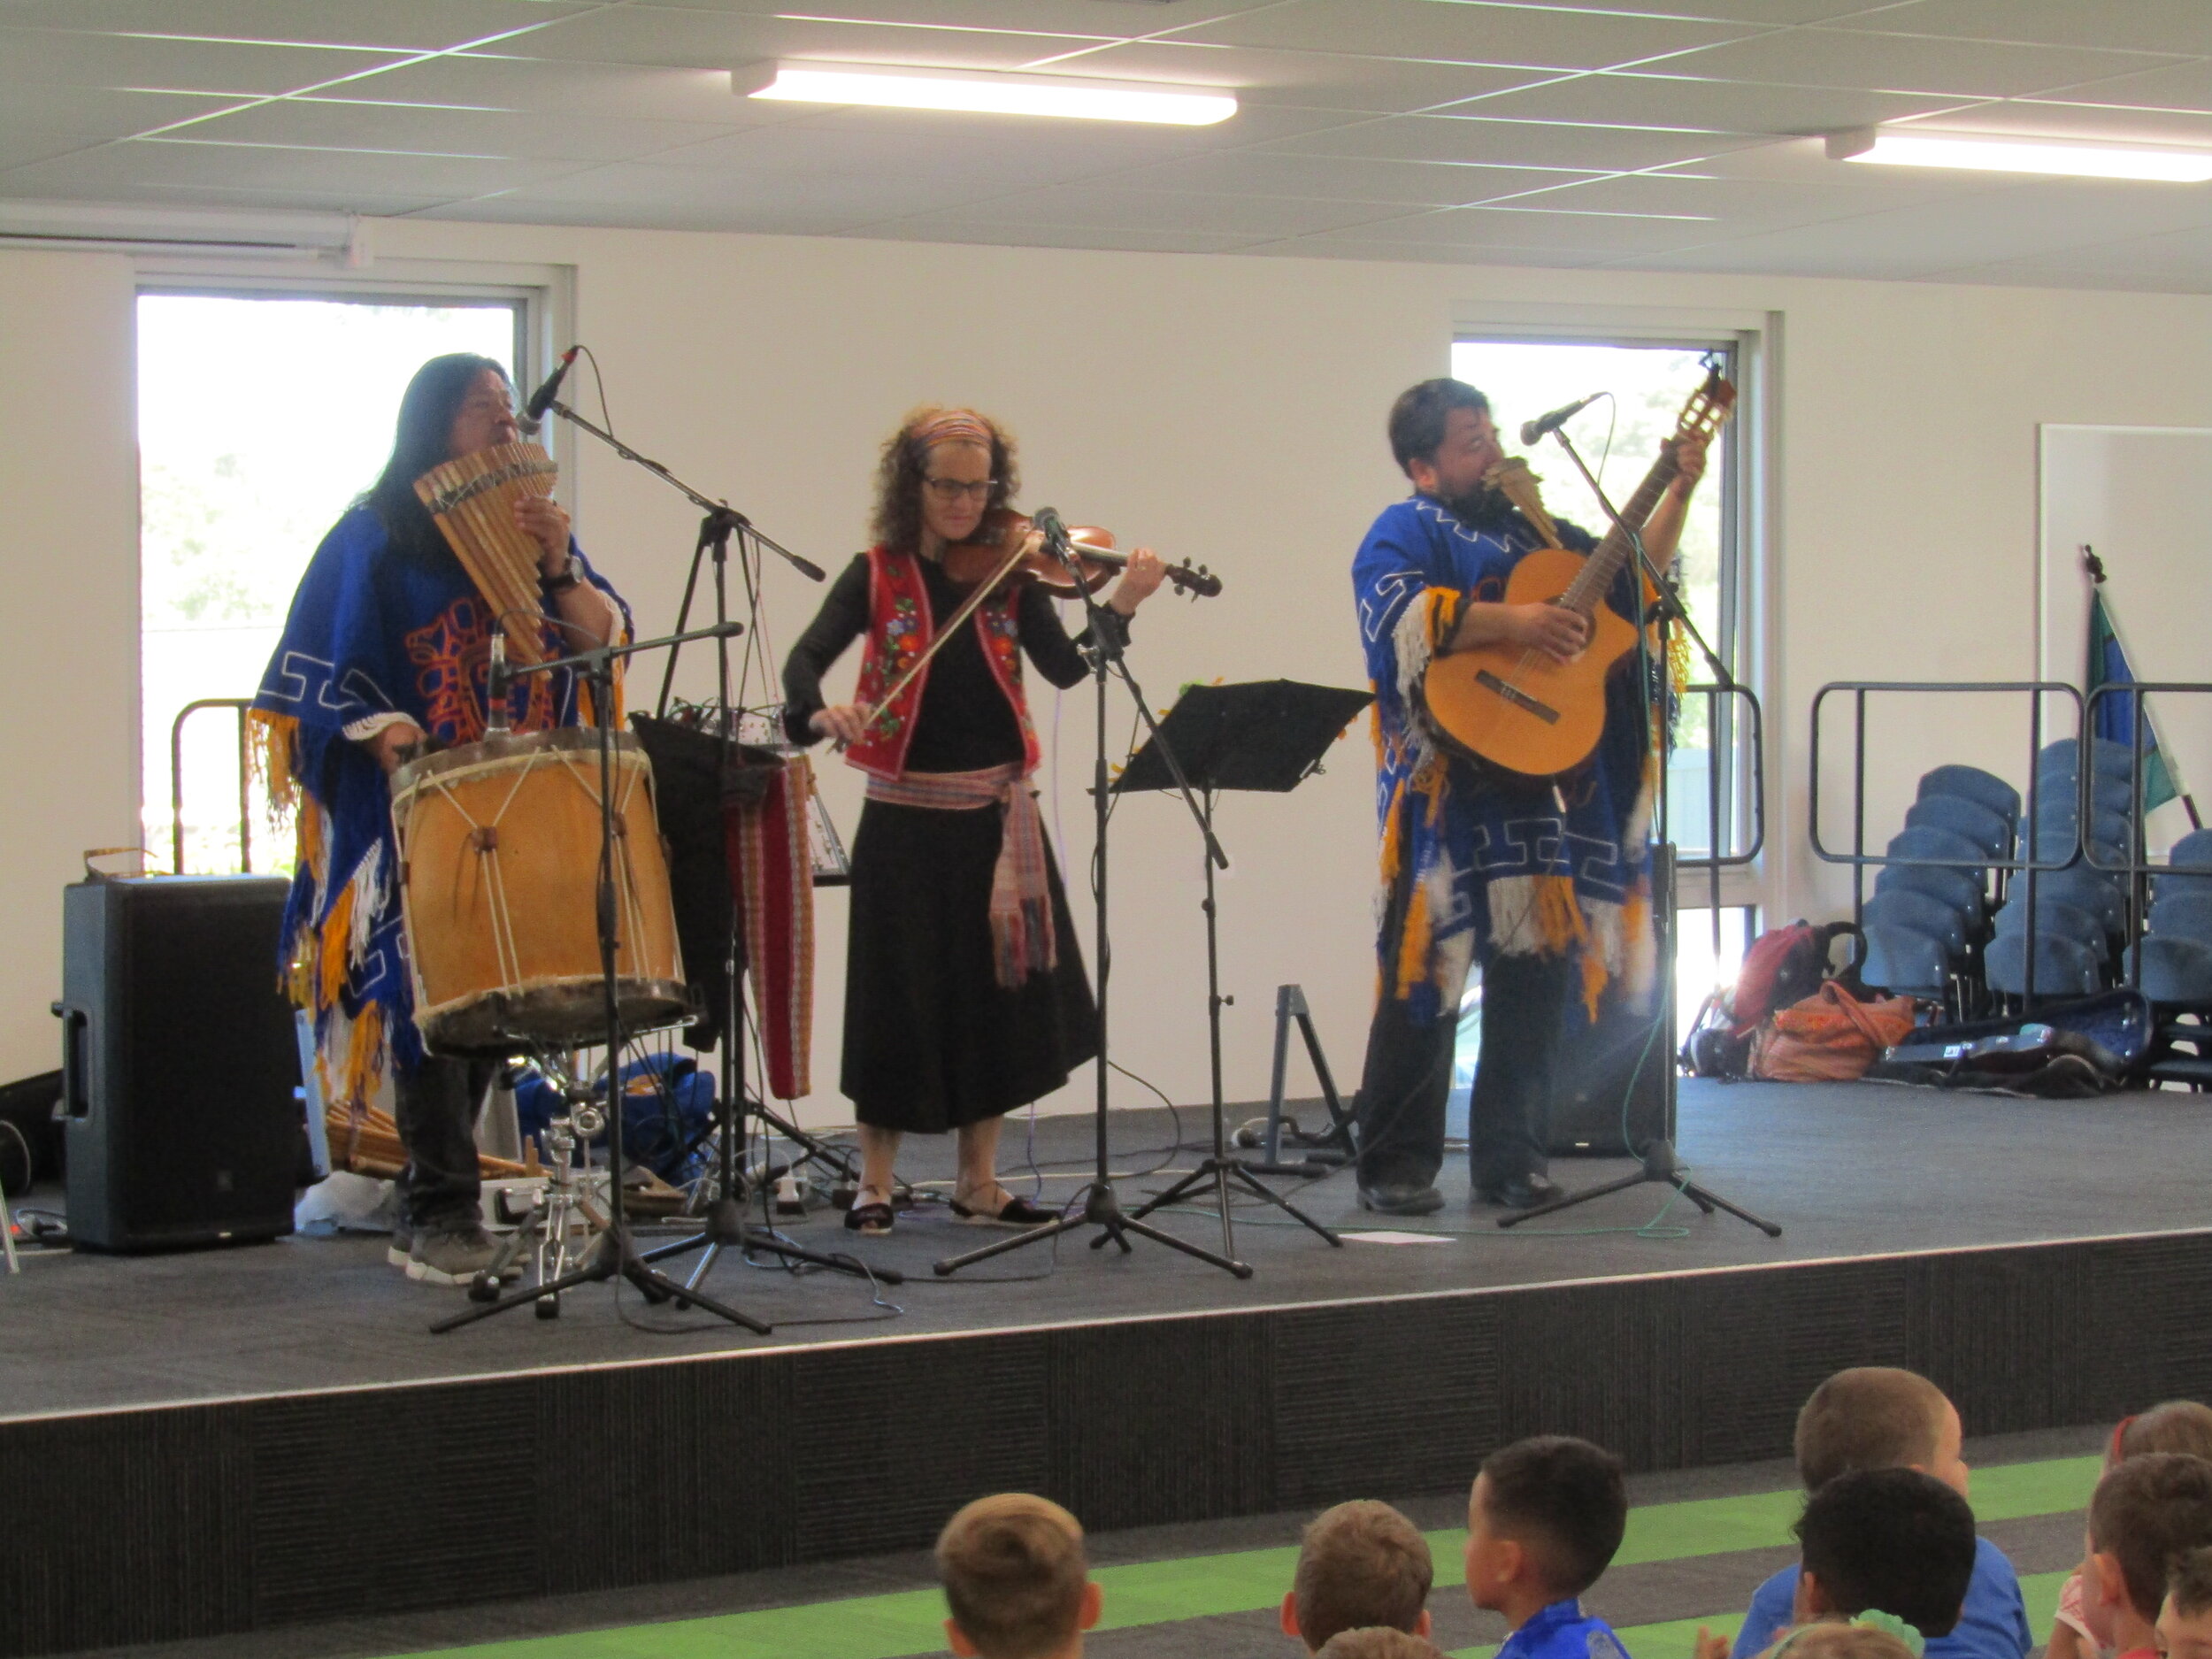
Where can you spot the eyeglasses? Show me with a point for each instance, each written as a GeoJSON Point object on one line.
{"type": "Point", "coordinates": [953, 489]}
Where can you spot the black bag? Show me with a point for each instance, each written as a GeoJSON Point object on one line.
{"type": "Point", "coordinates": [2089, 1046]}
{"type": "Point", "coordinates": [30, 1135]}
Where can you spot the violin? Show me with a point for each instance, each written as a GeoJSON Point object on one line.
{"type": "Point", "coordinates": [984, 559]}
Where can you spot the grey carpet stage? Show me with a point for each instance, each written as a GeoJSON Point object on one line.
{"type": "Point", "coordinates": [265, 1435]}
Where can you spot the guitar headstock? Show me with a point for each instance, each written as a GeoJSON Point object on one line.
{"type": "Point", "coordinates": [1709, 407]}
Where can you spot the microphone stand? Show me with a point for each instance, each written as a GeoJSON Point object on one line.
{"type": "Point", "coordinates": [1661, 1166]}
{"type": "Point", "coordinates": [725, 1226]}
{"type": "Point", "coordinates": [613, 1254]}
{"type": "Point", "coordinates": [1102, 1209]}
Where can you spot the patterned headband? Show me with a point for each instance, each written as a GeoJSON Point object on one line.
{"type": "Point", "coordinates": [954, 426]}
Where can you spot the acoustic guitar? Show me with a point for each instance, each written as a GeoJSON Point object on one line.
{"type": "Point", "coordinates": [1517, 708]}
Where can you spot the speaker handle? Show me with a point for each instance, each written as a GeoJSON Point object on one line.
{"type": "Point", "coordinates": [76, 1101]}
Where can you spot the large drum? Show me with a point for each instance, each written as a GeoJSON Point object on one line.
{"type": "Point", "coordinates": [499, 845]}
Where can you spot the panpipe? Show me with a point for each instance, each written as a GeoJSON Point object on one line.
{"type": "Point", "coordinates": [473, 498]}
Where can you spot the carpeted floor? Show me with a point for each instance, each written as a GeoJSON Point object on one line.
{"type": "Point", "coordinates": [100, 1332]}
{"type": "Point", "coordinates": [1698, 1543]}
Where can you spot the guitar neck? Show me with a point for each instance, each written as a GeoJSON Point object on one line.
{"type": "Point", "coordinates": [1605, 563]}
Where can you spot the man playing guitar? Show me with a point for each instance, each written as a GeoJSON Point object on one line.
{"type": "Point", "coordinates": [1544, 881]}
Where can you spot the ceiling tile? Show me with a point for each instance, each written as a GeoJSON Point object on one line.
{"type": "Point", "coordinates": [2029, 118]}
{"type": "Point", "coordinates": [1114, 208]}
{"type": "Point", "coordinates": [2144, 26]}
{"type": "Point", "coordinates": [1761, 13]}
{"type": "Point", "coordinates": [119, 171]}
{"type": "Point", "coordinates": [1762, 203]}
{"type": "Point", "coordinates": [994, 233]}
{"type": "Point", "coordinates": [274, 200]}
{"type": "Point", "coordinates": [737, 199]}
{"type": "Point", "coordinates": [455, 131]}
{"type": "Point", "coordinates": [21, 145]}
{"type": "Point", "coordinates": [1426, 253]}
{"type": "Point", "coordinates": [408, 25]}
{"type": "Point", "coordinates": [1490, 226]}
{"type": "Point", "coordinates": [1509, 144]}
{"type": "Point", "coordinates": [2173, 87]}
{"type": "Point", "coordinates": [2180, 261]}
{"type": "Point", "coordinates": [1380, 86]}
{"type": "Point", "coordinates": [53, 58]}
{"type": "Point", "coordinates": [1465, 31]}
{"type": "Point", "coordinates": [1088, 20]}
{"type": "Point", "coordinates": [1343, 178]}
{"type": "Point", "coordinates": [1902, 62]}
{"type": "Point", "coordinates": [636, 213]}
{"type": "Point", "coordinates": [722, 40]}
{"type": "Point", "coordinates": [97, 112]}
{"type": "Point", "coordinates": [1714, 106]}
{"type": "Point", "coordinates": [634, 91]}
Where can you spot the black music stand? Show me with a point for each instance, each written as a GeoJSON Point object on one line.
{"type": "Point", "coordinates": [1267, 736]}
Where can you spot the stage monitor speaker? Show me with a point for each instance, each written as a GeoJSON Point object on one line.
{"type": "Point", "coordinates": [180, 1062]}
{"type": "Point", "coordinates": [1616, 1078]}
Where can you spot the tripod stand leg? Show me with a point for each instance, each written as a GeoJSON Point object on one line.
{"type": "Point", "coordinates": [1571, 1200]}
{"type": "Point", "coordinates": [650, 1283]}
{"type": "Point", "coordinates": [1261, 1189]}
{"type": "Point", "coordinates": [1712, 1200]}
{"type": "Point", "coordinates": [1144, 1229]}
{"type": "Point", "coordinates": [1050, 1230]}
{"type": "Point", "coordinates": [1172, 1195]}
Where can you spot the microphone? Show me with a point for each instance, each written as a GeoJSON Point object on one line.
{"type": "Point", "coordinates": [1533, 430]}
{"type": "Point", "coordinates": [1054, 527]}
{"type": "Point", "coordinates": [495, 686]}
{"type": "Point", "coordinates": [542, 400]}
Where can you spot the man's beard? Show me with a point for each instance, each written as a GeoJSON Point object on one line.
{"type": "Point", "coordinates": [1485, 507]}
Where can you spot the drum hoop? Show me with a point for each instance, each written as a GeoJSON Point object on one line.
{"type": "Point", "coordinates": [493, 752]}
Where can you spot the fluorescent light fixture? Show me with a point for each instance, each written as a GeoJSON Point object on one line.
{"type": "Point", "coordinates": [983, 92]}
{"type": "Point", "coordinates": [2021, 155]}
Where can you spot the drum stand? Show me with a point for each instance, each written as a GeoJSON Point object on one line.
{"type": "Point", "coordinates": [612, 1255]}
{"type": "Point", "coordinates": [1102, 1208]}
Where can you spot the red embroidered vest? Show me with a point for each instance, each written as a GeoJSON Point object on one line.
{"type": "Point", "coordinates": [900, 628]}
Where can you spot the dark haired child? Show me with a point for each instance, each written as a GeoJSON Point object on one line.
{"type": "Point", "coordinates": [1543, 1522]}
{"type": "Point", "coordinates": [1878, 1417]}
{"type": "Point", "coordinates": [2147, 1512]}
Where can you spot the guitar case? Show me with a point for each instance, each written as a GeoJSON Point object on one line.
{"type": "Point", "coordinates": [2089, 1046]}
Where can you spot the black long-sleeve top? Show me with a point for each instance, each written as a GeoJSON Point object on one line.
{"type": "Point", "coordinates": [964, 723]}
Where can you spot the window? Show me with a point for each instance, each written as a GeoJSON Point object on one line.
{"type": "Point", "coordinates": [261, 417]}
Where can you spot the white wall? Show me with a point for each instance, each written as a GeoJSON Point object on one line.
{"type": "Point", "coordinates": [1227, 410]}
{"type": "Point", "coordinates": [69, 564]}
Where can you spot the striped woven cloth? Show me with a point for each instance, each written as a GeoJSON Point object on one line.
{"type": "Point", "coordinates": [1022, 938]}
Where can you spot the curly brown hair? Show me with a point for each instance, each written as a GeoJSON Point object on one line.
{"type": "Point", "coordinates": [897, 519]}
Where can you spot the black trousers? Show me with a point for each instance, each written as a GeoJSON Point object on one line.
{"type": "Point", "coordinates": [436, 1106]}
{"type": "Point", "coordinates": [1407, 1076]}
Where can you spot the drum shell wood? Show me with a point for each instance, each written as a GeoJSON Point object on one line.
{"type": "Point", "coordinates": [503, 927]}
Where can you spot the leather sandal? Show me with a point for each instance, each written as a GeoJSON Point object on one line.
{"type": "Point", "coordinates": [1015, 1212]}
{"type": "Point", "coordinates": [871, 1220]}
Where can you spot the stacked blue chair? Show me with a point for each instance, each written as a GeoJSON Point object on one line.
{"type": "Point", "coordinates": [2174, 960]}
{"type": "Point", "coordinates": [1972, 783]}
{"type": "Point", "coordinates": [1922, 918]}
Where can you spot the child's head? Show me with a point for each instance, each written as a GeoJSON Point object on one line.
{"type": "Point", "coordinates": [1887, 1540]}
{"type": "Point", "coordinates": [1878, 1416]}
{"type": "Point", "coordinates": [1543, 1521]}
{"type": "Point", "coordinates": [1378, 1642]}
{"type": "Point", "coordinates": [1360, 1564]}
{"type": "Point", "coordinates": [2184, 1624]}
{"type": "Point", "coordinates": [1016, 1578]}
{"type": "Point", "coordinates": [2172, 1425]}
{"type": "Point", "coordinates": [2147, 1511]}
{"type": "Point", "coordinates": [1832, 1639]}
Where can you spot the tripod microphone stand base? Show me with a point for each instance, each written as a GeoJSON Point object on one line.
{"type": "Point", "coordinates": [1220, 1170]}
{"type": "Point", "coordinates": [1100, 1208]}
{"type": "Point", "coordinates": [613, 1256]}
{"type": "Point", "coordinates": [1661, 1169]}
{"type": "Point", "coordinates": [726, 1229]}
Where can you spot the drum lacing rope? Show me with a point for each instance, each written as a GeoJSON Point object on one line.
{"type": "Point", "coordinates": [625, 875]}
{"type": "Point", "coordinates": [495, 883]}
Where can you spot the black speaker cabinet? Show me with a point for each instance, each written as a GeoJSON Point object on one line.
{"type": "Point", "coordinates": [1618, 1071]}
{"type": "Point", "coordinates": [179, 1062]}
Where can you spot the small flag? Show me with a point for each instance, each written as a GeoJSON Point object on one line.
{"type": "Point", "coordinates": [2115, 719]}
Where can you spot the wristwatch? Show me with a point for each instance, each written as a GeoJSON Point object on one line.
{"type": "Point", "coordinates": [572, 575]}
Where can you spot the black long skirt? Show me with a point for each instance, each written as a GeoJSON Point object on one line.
{"type": "Point", "coordinates": [931, 1039]}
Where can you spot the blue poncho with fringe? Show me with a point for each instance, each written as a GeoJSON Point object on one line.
{"type": "Point", "coordinates": [374, 629]}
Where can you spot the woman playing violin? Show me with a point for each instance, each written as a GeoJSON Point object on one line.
{"type": "Point", "coordinates": [964, 991]}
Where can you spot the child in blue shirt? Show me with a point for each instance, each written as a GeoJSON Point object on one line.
{"type": "Point", "coordinates": [1543, 1522]}
{"type": "Point", "coordinates": [1878, 1416]}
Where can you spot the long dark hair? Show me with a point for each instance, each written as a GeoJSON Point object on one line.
{"type": "Point", "coordinates": [423, 439]}
{"type": "Point", "coordinates": [897, 519]}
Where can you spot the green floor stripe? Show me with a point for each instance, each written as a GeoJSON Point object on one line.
{"type": "Point", "coordinates": [911, 1622]}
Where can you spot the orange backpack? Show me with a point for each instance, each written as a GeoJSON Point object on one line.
{"type": "Point", "coordinates": [1829, 1037]}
